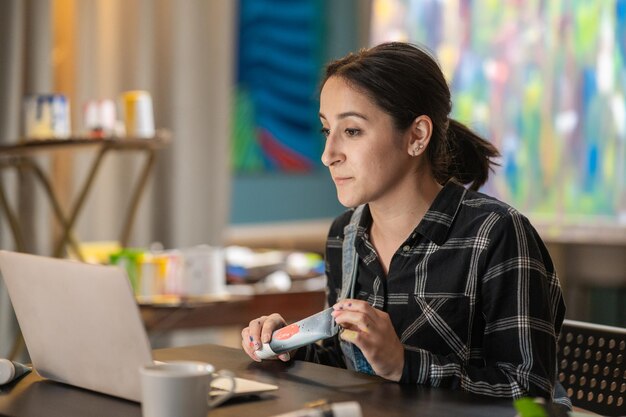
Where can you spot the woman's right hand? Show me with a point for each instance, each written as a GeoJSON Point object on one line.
{"type": "Point", "coordinates": [260, 331]}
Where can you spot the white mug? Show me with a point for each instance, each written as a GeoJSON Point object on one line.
{"type": "Point", "coordinates": [180, 388]}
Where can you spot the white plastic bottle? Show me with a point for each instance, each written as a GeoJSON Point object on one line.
{"type": "Point", "coordinates": [10, 371]}
{"type": "Point", "coordinates": [343, 409]}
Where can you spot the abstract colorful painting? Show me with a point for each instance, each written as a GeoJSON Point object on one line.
{"type": "Point", "coordinates": [545, 81]}
{"type": "Point", "coordinates": [275, 125]}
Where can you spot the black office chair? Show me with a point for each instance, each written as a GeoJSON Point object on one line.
{"type": "Point", "coordinates": [592, 366]}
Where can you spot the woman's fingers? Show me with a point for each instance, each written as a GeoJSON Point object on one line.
{"type": "Point", "coordinates": [373, 332]}
{"type": "Point", "coordinates": [353, 320]}
{"type": "Point", "coordinates": [272, 323]}
{"type": "Point", "coordinates": [255, 328]}
{"type": "Point", "coordinates": [260, 331]}
{"type": "Point", "coordinates": [354, 305]}
{"type": "Point", "coordinates": [355, 315]}
{"type": "Point", "coordinates": [247, 345]}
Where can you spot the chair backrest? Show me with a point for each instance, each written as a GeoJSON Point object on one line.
{"type": "Point", "coordinates": [592, 366]}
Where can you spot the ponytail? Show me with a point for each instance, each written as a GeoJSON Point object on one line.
{"type": "Point", "coordinates": [468, 158]}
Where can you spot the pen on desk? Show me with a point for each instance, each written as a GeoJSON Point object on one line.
{"type": "Point", "coordinates": [301, 333]}
{"type": "Point", "coordinates": [10, 371]}
{"type": "Point", "coordinates": [326, 409]}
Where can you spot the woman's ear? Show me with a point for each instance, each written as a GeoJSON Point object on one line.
{"type": "Point", "coordinates": [419, 135]}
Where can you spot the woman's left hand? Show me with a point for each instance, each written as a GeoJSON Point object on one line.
{"type": "Point", "coordinates": [372, 332]}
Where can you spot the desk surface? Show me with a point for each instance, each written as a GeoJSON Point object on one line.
{"type": "Point", "coordinates": [299, 383]}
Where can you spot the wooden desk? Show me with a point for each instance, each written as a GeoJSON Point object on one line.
{"type": "Point", "coordinates": [229, 310]}
{"type": "Point", "coordinates": [298, 382]}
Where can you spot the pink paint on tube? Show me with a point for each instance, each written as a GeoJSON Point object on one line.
{"type": "Point", "coordinates": [286, 332]}
{"type": "Point", "coordinates": [301, 333]}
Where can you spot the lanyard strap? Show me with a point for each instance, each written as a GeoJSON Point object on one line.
{"type": "Point", "coordinates": [349, 256]}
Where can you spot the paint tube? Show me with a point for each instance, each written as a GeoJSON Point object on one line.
{"type": "Point", "coordinates": [10, 371]}
{"type": "Point", "coordinates": [343, 409]}
{"type": "Point", "coordinates": [301, 333]}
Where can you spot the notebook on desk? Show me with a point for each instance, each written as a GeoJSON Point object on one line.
{"type": "Point", "coordinates": [81, 324]}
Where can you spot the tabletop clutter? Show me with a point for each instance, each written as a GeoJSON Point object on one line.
{"type": "Point", "coordinates": [154, 272]}
{"type": "Point", "coordinates": [206, 270]}
{"type": "Point", "coordinates": [47, 116]}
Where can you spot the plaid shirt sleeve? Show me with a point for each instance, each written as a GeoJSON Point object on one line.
{"type": "Point", "coordinates": [520, 299]}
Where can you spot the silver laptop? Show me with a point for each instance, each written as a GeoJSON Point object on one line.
{"type": "Point", "coordinates": [81, 324]}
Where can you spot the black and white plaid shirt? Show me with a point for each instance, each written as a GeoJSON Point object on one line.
{"type": "Point", "coordinates": [472, 295]}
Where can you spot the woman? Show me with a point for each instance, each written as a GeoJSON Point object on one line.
{"type": "Point", "coordinates": [432, 283]}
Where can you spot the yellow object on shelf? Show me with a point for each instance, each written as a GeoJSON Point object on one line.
{"type": "Point", "coordinates": [97, 252]}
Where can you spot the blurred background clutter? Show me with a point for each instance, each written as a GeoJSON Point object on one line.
{"type": "Point", "coordinates": [212, 194]}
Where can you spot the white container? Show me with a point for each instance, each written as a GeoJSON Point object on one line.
{"type": "Point", "coordinates": [138, 114]}
{"type": "Point", "coordinates": [46, 116]}
{"type": "Point", "coordinates": [204, 271]}
{"type": "Point", "coordinates": [99, 118]}
{"type": "Point", "coordinates": [10, 371]}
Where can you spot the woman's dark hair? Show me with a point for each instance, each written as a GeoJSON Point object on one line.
{"type": "Point", "coordinates": [406, 82]}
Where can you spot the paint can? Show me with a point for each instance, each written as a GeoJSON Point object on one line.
{"type": "Point", "coordinates": [99, 118]}
{"type": "Point", "coordinates": [204, 270]}
{"type": "Point", "coordinates": [138, 114]}
{"type": "Point", "coordinates": [46, 116]}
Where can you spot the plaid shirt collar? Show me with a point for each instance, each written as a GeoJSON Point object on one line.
{"type": "Point", "coordinates": [437, 221]}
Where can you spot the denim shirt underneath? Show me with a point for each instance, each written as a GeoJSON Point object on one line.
{"type": "Point", "coordinates": [354, 358]}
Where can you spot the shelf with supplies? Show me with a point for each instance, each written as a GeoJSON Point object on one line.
{"type": "Point", "coordinates": [21, 156]}
{"type": "Point", "coordinates": [225, 286]}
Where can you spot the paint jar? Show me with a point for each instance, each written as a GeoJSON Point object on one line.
{"type": "Point", "coordinates": [148, 280]}
{"type": "Point", "coordinates": [204, 270]}
{"type": "Point", "coordinates": [46, 116]}
{"type": "Point", "coordinates": [174, 264]}
{"type": "Point", "coordinates": [99, 118]}
{"type": "Point", "coordinates": [153, 268]}
{"type": "Point", "coordinates": [138, 114]}
{"type": "Point", "coordinates": [130, 259]}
